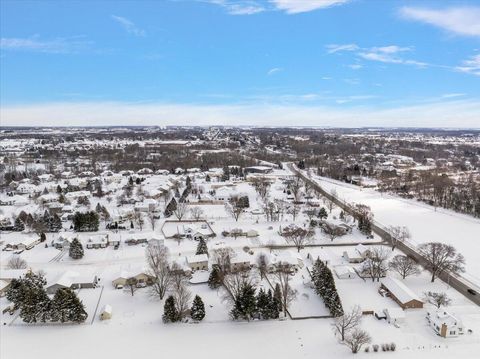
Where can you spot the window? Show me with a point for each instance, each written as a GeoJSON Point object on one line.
{"type": "Point", "coordinates": [452, 332]}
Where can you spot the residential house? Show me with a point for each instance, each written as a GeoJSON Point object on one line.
{"type": "Point", "coordinates": [400, 293]}
{"type": "Point", "coordinates": [198, 262]}
{"type": "Point", "coordinates": [444, 323]}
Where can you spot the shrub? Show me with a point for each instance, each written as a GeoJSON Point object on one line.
{"type": "Point", "coordinates": [393, 346]}
{"type": "Point", "coordinates": [375, 347]}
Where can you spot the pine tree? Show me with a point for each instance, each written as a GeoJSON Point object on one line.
{"type": "Point", "coordinates": [277, 295]}
{"type": "Point", "coordinates": [18, 226]}
{"type": "Point", "coordinates": [76, 249]}
{"type": "Point", "coordinates": [43, 237]}
{"type": "Point", "coordinates": [275, 306]}
{"type": "Point", "coordinates": [245, 304]}
{"type": "Point", "coordinates": [322, 213]}
{"type": "Point", "coordinates": [170, 312]}
{"type": "Point", "coordinates": [36, 306]}
{"type": "Point", "coordinates": [16, 292]}
{"type": "Point", "coordinates": [197, 312]}
{"type": "Point", "coordinates": [263, 304]}
{"type": "Point", "coordinates": [202, 247]}
{"type": "Point", "coordinates": [76, 309]}
{"type": "Point", "coordinates": [215, 278]}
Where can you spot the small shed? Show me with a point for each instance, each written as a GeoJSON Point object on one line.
{"type": "Point", "coordinates": [344, 272]}
{"type": "Point", "coordinates": [106, 312]}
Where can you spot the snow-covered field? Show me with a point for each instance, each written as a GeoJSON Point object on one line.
{"type": "Point", "coordinates": [425, 223]}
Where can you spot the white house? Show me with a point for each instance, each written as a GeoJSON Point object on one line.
{"type": "Point", "coordinates": [344, 272]}
{"type": "Point", "coordinates": [444, 323]}
{"type": "Point", "coordinates": [198, 262]}
{"type": "Point", "coordinates": [352, 256]}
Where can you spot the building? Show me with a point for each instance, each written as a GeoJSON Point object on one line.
{"type": "Point", "coordinates": [400, 293]}
{"type": "Point", "coordinates": [444, 323]}
{"type": "Point", "coordinates": [139, 275]}
{"type": "Point", "coordinates": [72, 280]}
{"type": "Point", "coordinates": [344, 272]}
{"type": "Point", "coordinates": [239, 262]}
{"type": "Point", "coordinates": [198, 262]}
{"type": "Point", "coordinates": [63, 241]}
{"type": "Point", "coordinates": [106, 312]}
{"type": "Point", "coordinates": [352, 256]}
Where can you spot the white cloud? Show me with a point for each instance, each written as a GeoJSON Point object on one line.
{"type": "Point", "coordinates": [435, 114]}
{"type": "Point", "coordinates": [242, 7]}
{"type": "Point", "coordinates": [388, 54]}
{"type": "Point", "coordinates": [274, 70]}
{"type": "Point", "coordinates": [54, 46]}
{"type": "Point", "coordinates": [129, 26]}
{"type": "Point", "coordinates": [470, 66]}
{"type": "Point", "coordinates": [299, 6]}
{"type": "Point", "coordinates": [355, 66]}
{"type": "Point", "coordinates": [458, 20]}
{"type": "Point", "coordinates": [452, 95]}
{"type": "Point", "coordinates": [332, 48]}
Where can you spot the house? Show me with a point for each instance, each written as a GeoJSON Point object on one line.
{"type": "Point", "coordinates": [97, 241]}
{"type": "Point", "coordinates": [71, 279]}
{"type": "Point", "coordinates": [63, 241]}
{"type": "Point", "coordinates": [136, 238]}
{"type": "Point", "coordinates": [400, 293]}
{"type": "Point", "coordinates": [25, 244]}
{"type": "Point", "coordinates": [198, 262]}
{"type": "Point", "coordinates": [344, 272]}
{"type": "Point", "coordinates": [352, 256]}
{"type": "Point", "coordinates": [240, 262]}
{"type": "Point", "coordinates": [363, 251]}
{"type": "Point", "coordinates": [106, 312]}
{"type": "Point", "coordinates": [139, 274]}
{"type": "Point", "coordinates": [258, 169]}
{"type": "Point", "coordinates": [394, 316]}
{"type": "Point", "coordinates": [4, 285]}
{"type": "Point", "coordinates": [288, 258]}
{"type": "Point", "coordinates": [444, 323]}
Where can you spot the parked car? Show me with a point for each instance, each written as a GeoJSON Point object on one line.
{"type": "Point", "coordinates": [472, 291]}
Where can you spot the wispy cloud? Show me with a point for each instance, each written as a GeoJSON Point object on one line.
{"type": "Point", "coordinates": [274, 70]}
{"type": "Point", "coordinates": [470, 66]}
{"type": "Point", "coordinates": [458, 20]}
{"type": "Point", "coordinates": [387, 54]}
{"type": "Point", "coordinates": [52, 46]}
{"type": "Point", "coordinates": [452, 95]}
{"type": "Point", "coordinates": [355, 66]}
{"type": "Point", "coordinates": [457, 113]}
{"type": "Point", "coordinates": [241, 7]}
{"type": "Point", "coordinates": [299, 6]}
{"type": "Point", "coordinates": [129, 26]}
{"type": "Point", "coordinates": [333, 48]}
{"type": "Point", "coordinates": [250, 7]}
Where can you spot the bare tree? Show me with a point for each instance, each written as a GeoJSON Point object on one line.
{"type": "Point", "coordinates": [234, 283]}
{"type": "Point", "coordinates": [131, 284]}
{"type": "Point", "coordinates": [180, 291]}
{"type": "Point", "coordinates": [442, 257]}
{"type": "Point", "coordinates": [262, 265]}
{"type": "Point", "coordinates": [357, 339]}
{"type": "Point", "coordinates": [138, 216]}
{"type": "Point", "coordinates": [16, 262]}
{"type": "Point", "coordinates": [437, 299]}
{"type": "Point", "coordinates": [332, 231]}
{"type": "Point", "coordinates": [158, 269]}
{"type": "Point", "coordinates": [398, 234]}
{"type": "Point", "coordinates": [235, 208]}
{"type": "Point", "coordinates": [348, 322]}
{"type": "Point", "coordinates": [197, 212]}
{"type": "Point", "coordinates": [180, 210]}
{"type": "Point", "coordinates": [295, 187]}
{"type": "Point", "coordinates": [375, 265]}
{"type": "Point", "coordinates": [261, 185]}
{"type": "Point", "coordinates": [151, 218]}
{"type": "Point", "coordinates": [330, 201]}
{"type": "Point", "coordinates": [221, 257]}
{"type": "Point", "coordinates": [282, 275]}
{"type": "Point", "coordinates": [294, 210]}
{"type": "Point", "coordinates": [404, 265]}
{"type": "Point", "coordinates": [297, 235]}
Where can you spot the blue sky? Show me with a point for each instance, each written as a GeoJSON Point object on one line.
{"type": "Point", "coordinates": [278, 62]}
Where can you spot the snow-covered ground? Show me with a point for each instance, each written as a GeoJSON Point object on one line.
{"type": "Point", "coordinates": [425, 223]}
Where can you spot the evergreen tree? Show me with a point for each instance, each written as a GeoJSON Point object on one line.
{"type": "Point", "coordinates": [170, 312]}
{"type": "Point", "coordinates": [197, 312]}
{"type": "Point", "coordinates": [275, 306]}
{"type": "Point", "coordinates": [277, 295]}
{"type": "Point", "coordinates": [43, 237]}
{"type": "Point", "coordinates": [59, 189]}
{"type": "Point", "coordinates": [322, 213]}
{"type": "Point", "coordinates": [18, 226]}
{"type": "Point", "coordinates": [207, 178]}
{"type": "Point", "coordinates": [76, 249]}
{"type": "Point", "coordinates": [215, 278]}
{"type": "Point", "coordinates": [171, 207]}
{"type": "Point", "coordinates": [263, 304]}
{"type": "Point", "coordinates": [245, 304]}
{"type": "Point", "coordinates": [226, 174]}
{"type": "Point", "coordinates": [36, 305]}
{"type": "Point", "coordinates": [16, 292]}
{"type": "Point", "coordinates": [202, 247]}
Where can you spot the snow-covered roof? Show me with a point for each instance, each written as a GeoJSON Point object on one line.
{"type": "Point", "coordinates": [399, 290]}
{"type": "Point", "coordinates": [197, 258]}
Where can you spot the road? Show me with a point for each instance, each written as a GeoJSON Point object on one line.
{"type": "Point", "coordinates": [456, 281]}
